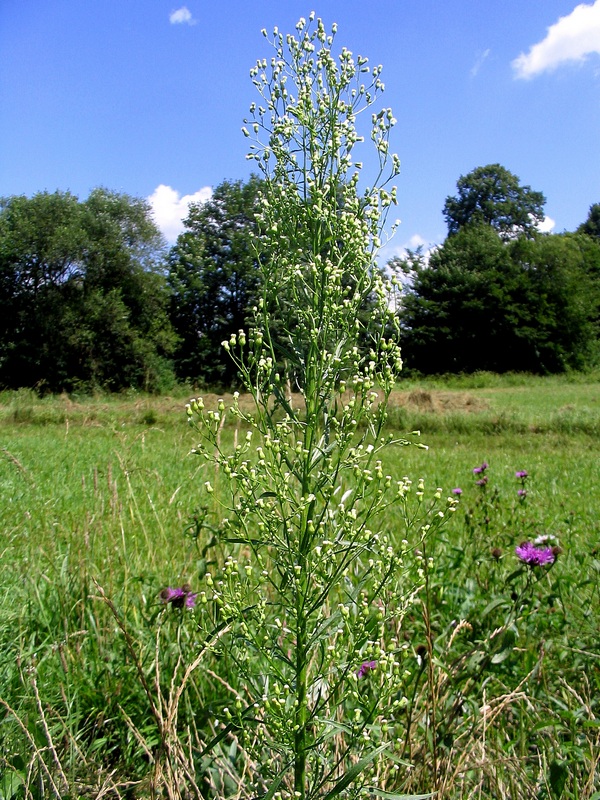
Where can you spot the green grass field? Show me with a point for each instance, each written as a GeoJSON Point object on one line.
{"type": "Point", "coordinates": [98, 496]}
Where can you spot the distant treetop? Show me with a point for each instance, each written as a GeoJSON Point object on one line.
{"type": "Point", "coordinates": [492, 195]}
{"type": "Point", "coordinates": [591, 227]}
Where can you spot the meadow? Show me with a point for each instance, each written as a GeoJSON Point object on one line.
{"type": "Point", "coordinates": [106, 691]}
{"type": "Point", "coordinates": [378, 588]}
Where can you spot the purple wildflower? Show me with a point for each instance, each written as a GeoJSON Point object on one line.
{"type": "Point", "coordinates": [365, 668]}
{"type": "Point", "coordinates": [534, 556]}
{"type": "Point", "coordinates": [482, 468]}
{"type": "Point", "coordinates": [481, 481]}
{"type": "Point", "coordinates": [522, 473]}
{"type": "Point", "coordinates": [179, 596]}
{"type": "Point", "coordinates": [522, 492]}
{"type": "Point", "coordinates": [457, 491]}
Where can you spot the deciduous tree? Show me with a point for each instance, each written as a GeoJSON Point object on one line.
{"type": "Point", "coordinates": [454, 314]}
{"type": "Point", "coordinates": [214, 280]}
{"type": "Point", "coordinates": [591, 227]}
{"type": "Point", "coordinates": [494, 196]}
{"type": "Point", "coordinates": [84, 300]}
{"type": "Point", "coordinates": [483, 304]}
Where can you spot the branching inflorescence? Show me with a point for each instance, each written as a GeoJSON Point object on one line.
{"type": "Point", "coordinates": [318, 581]}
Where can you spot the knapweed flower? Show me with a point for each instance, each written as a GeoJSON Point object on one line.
{"type": "Point", "coordinates": [481, 481]}
{"type": "Point", "coordinates": [365, 668]}
{"type": "Point", "coordinates": [482, 468]}
{"type": "Point", "coordinates": [457, 491]}
{"type": "Point", "coordinates": [534, 555]}
{"type": "Point", "coordinates": [496, 553]}
{"type": "Point", "coordinates": [522, 492]}
{"type": "Point", "coordinates": [179, 596]}
{"type": "Point", "coordinates": [550, 540]}
{"type": "Point", "coordinates": [522, 473]}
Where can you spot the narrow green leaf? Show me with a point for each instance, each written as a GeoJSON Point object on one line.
{"type": "Point", "coordinates": [558, 777]}
{"type": "Point", "coordinates": [354, 772]}
{"type": "Point", "coordinates": [499, 601]}
{"type": "Point", "coordinates": [10, 784]}
{"type": "Point", "coordinates": [498, 658]}
{"type": "Point", "coordinates": [393, 796]}
{"type": "Point", "coordinates": [275, 785]}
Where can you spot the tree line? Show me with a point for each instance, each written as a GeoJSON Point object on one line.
{"type": "Point", "coordinates": [91, 298]}
{"type": "Point", "coordinates": [499, 295]}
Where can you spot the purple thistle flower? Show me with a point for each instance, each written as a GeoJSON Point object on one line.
{"type": "Point", "coordinates": [522, 492]}
{"type": "Point", "coordinates": [365, 668]}
{"type": "Point", "coordinates": [522, 474]}
{"type": "Point", "coordinates": [482, 468]}
{"type": "Point", "coordinates": [482, 481]}
{"type": "Point", "coordinates": [179, 596]}
{"type": "Point", "coordinates": [534, 556]}
{"type": "Point", "coordinates": [457, 491]}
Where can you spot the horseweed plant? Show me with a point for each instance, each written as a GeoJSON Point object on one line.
{"type": "Point", "coordinates": [316, 587]}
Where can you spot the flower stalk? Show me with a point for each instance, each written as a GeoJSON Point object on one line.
{"type": "Point", "coordinates": [307, 498]}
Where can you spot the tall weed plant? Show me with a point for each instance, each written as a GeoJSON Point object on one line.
{"type": "Point", "coordinates": [315, 584]}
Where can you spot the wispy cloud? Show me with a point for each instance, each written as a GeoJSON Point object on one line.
{"type": "Point", "coordinates": [170, 209]}
{"type": "Point", "coordinates": [572, 38]}
{"type": "Point", "coordinates": [181, 16]}
{"type": "Point", "coordinates": [481, 57]}
{"type": "Point", "coordinates": [394, 249]}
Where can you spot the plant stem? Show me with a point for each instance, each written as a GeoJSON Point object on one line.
{"type": "Point", "coordinates": [300, 735]}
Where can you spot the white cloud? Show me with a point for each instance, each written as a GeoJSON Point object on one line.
{"type": "Point", "coordinates": [416, 240]}
{"type": "Point", "coordinates": [170, 209]}
{"type": "Point", "coordinates": [397, 250]}
{"type": "Point", "coordinates": [546, 225]}
{"type": "Point", "coordinates": [481, 57]}
{"type": "Point", "coordinates": [572, 38]}
{"type": "Point", "coordinates": [182, 16]}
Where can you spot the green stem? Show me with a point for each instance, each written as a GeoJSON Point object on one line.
{"type": "Point", "coordinates": [300, 736]}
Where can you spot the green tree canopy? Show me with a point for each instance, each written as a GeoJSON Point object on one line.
{"type": "Point", "coordinates": [483, 304]}
{"type": "Point", "coordinates": [84, 301]}
{"type": "Point", "coordinates": [591, 227]}
{"type": "Point", "coordinates": [214, 280]}
{"type": "Point", "coordinates": [494, 196]}
{"type": "Point", "coordinates": [558, 320]}
{"type": "Point", "coordinates": [452, 316]}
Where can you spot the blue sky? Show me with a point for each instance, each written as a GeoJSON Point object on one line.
{"type": "Point", "coordinates": [148, 96]}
